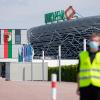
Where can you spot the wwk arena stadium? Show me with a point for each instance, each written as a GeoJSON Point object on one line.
{"type": "Point", "coordinates": [69, 35]}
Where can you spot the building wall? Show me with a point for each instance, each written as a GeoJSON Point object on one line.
{"type": "Point", "coordinates": [26, 71]}
{"type": "Point", "coordinates": [14, 46]}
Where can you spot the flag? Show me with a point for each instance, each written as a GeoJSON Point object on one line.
{"type": "Point", "coordinates": [30, 55]}
{"type": "Point", "coordinates": [7, 43]}
{"type": "Point", "coordinates": [25, 54]}
{"type": "Point", "coordinates": [20, 54]}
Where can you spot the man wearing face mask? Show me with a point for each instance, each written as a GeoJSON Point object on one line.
{"type": "Point", "coordinates": [89, 70]}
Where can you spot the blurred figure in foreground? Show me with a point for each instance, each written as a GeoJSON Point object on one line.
{"type": "Point", "coordinates": [89, 70]}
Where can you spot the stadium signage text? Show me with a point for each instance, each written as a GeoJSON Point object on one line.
{"type": "Point", "coordinates": [55, 16]}
{"type": "Point", "coordinates": [68, 14]}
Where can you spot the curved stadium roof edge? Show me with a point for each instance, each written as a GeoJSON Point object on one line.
{"type": "Point", "coordinates": [75, 22]}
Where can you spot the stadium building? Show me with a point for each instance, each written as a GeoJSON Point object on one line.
{"type": "Point", "coordinates": [68, 34]}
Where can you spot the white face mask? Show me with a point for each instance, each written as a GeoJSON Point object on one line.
{"type": "Point", "coordinates": [94, 45]}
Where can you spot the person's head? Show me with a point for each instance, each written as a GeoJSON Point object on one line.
{"type": "Point", "coordinates": [94, 42]}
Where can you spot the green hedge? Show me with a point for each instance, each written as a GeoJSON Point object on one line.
{"type": "Point", "coordinates": [68, 74]}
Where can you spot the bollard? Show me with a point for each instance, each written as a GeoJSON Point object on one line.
{"type": "Point", "coordinates": [54, 86]}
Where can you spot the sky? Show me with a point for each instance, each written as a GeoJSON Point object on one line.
{"type": "Point", "coordinates": [26, 14]}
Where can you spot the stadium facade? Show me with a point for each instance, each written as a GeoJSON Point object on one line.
{"type": "Point", "coordinates": [68, 34]}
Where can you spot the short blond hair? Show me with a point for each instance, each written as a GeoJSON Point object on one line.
{"type": "Point", "coordinates": [94, 35]}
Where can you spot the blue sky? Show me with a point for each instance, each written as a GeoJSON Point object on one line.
{"type": "Point", "coordinates": [30, 13]}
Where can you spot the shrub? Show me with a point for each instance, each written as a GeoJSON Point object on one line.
{"type": "Point", "coordinates": [68, 73]}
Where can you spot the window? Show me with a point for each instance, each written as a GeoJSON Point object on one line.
{"type": "Point", "coordinates": [0, 36]}
{"type": "Point", "coordinates": [17, 36]}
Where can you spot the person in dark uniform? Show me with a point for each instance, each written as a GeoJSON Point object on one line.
{"type": "Point", "coordinates": [89, 70]}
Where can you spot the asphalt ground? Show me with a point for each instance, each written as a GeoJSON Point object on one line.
{"type": "Point", "coordinates": [27, 90]}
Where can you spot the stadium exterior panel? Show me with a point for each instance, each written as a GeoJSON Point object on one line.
{"type": "Point", "coordinates": [68, 34]}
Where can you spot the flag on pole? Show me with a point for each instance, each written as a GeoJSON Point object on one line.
{"type": "Point", "coordinates": [25, 54]}
{"type": "Point", "coordinates": [7, 43]}
{"type": "Point", "coordinates": [20, 54]}
{"type": "Point", "coordinates": [30, 53]}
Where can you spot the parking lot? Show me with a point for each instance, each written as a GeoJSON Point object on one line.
{"type": "Point", "coordinates": [27, 90]}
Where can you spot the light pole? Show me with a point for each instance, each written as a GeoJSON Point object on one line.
{"type": "Point", "coordinates": [84, 44]}
{"type": "Point", "coordinates": [43, 65]}
{"type": "Point", "coordinates": [32, 64]}
{"type": "Point", "coordinates": [59, 63]}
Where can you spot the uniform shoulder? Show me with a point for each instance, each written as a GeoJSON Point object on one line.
{"type": "Point", "coordinates": [98, 52]}
{"type": "Point", "coordinates": [83, 52]}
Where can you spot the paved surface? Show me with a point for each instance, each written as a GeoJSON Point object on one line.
{"type": "Point", "coordinates": [11, 90]}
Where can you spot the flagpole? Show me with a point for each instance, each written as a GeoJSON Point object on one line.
{"type": "Point", "coordinates": [32, 64]}
{"type": "Point", "coordinates": [43, 65]}
{"type": "Point", "coordinates": [59, 63]}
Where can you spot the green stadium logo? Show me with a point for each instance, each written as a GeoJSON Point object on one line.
{"type": "Point", "coordinates": [57, 16]}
